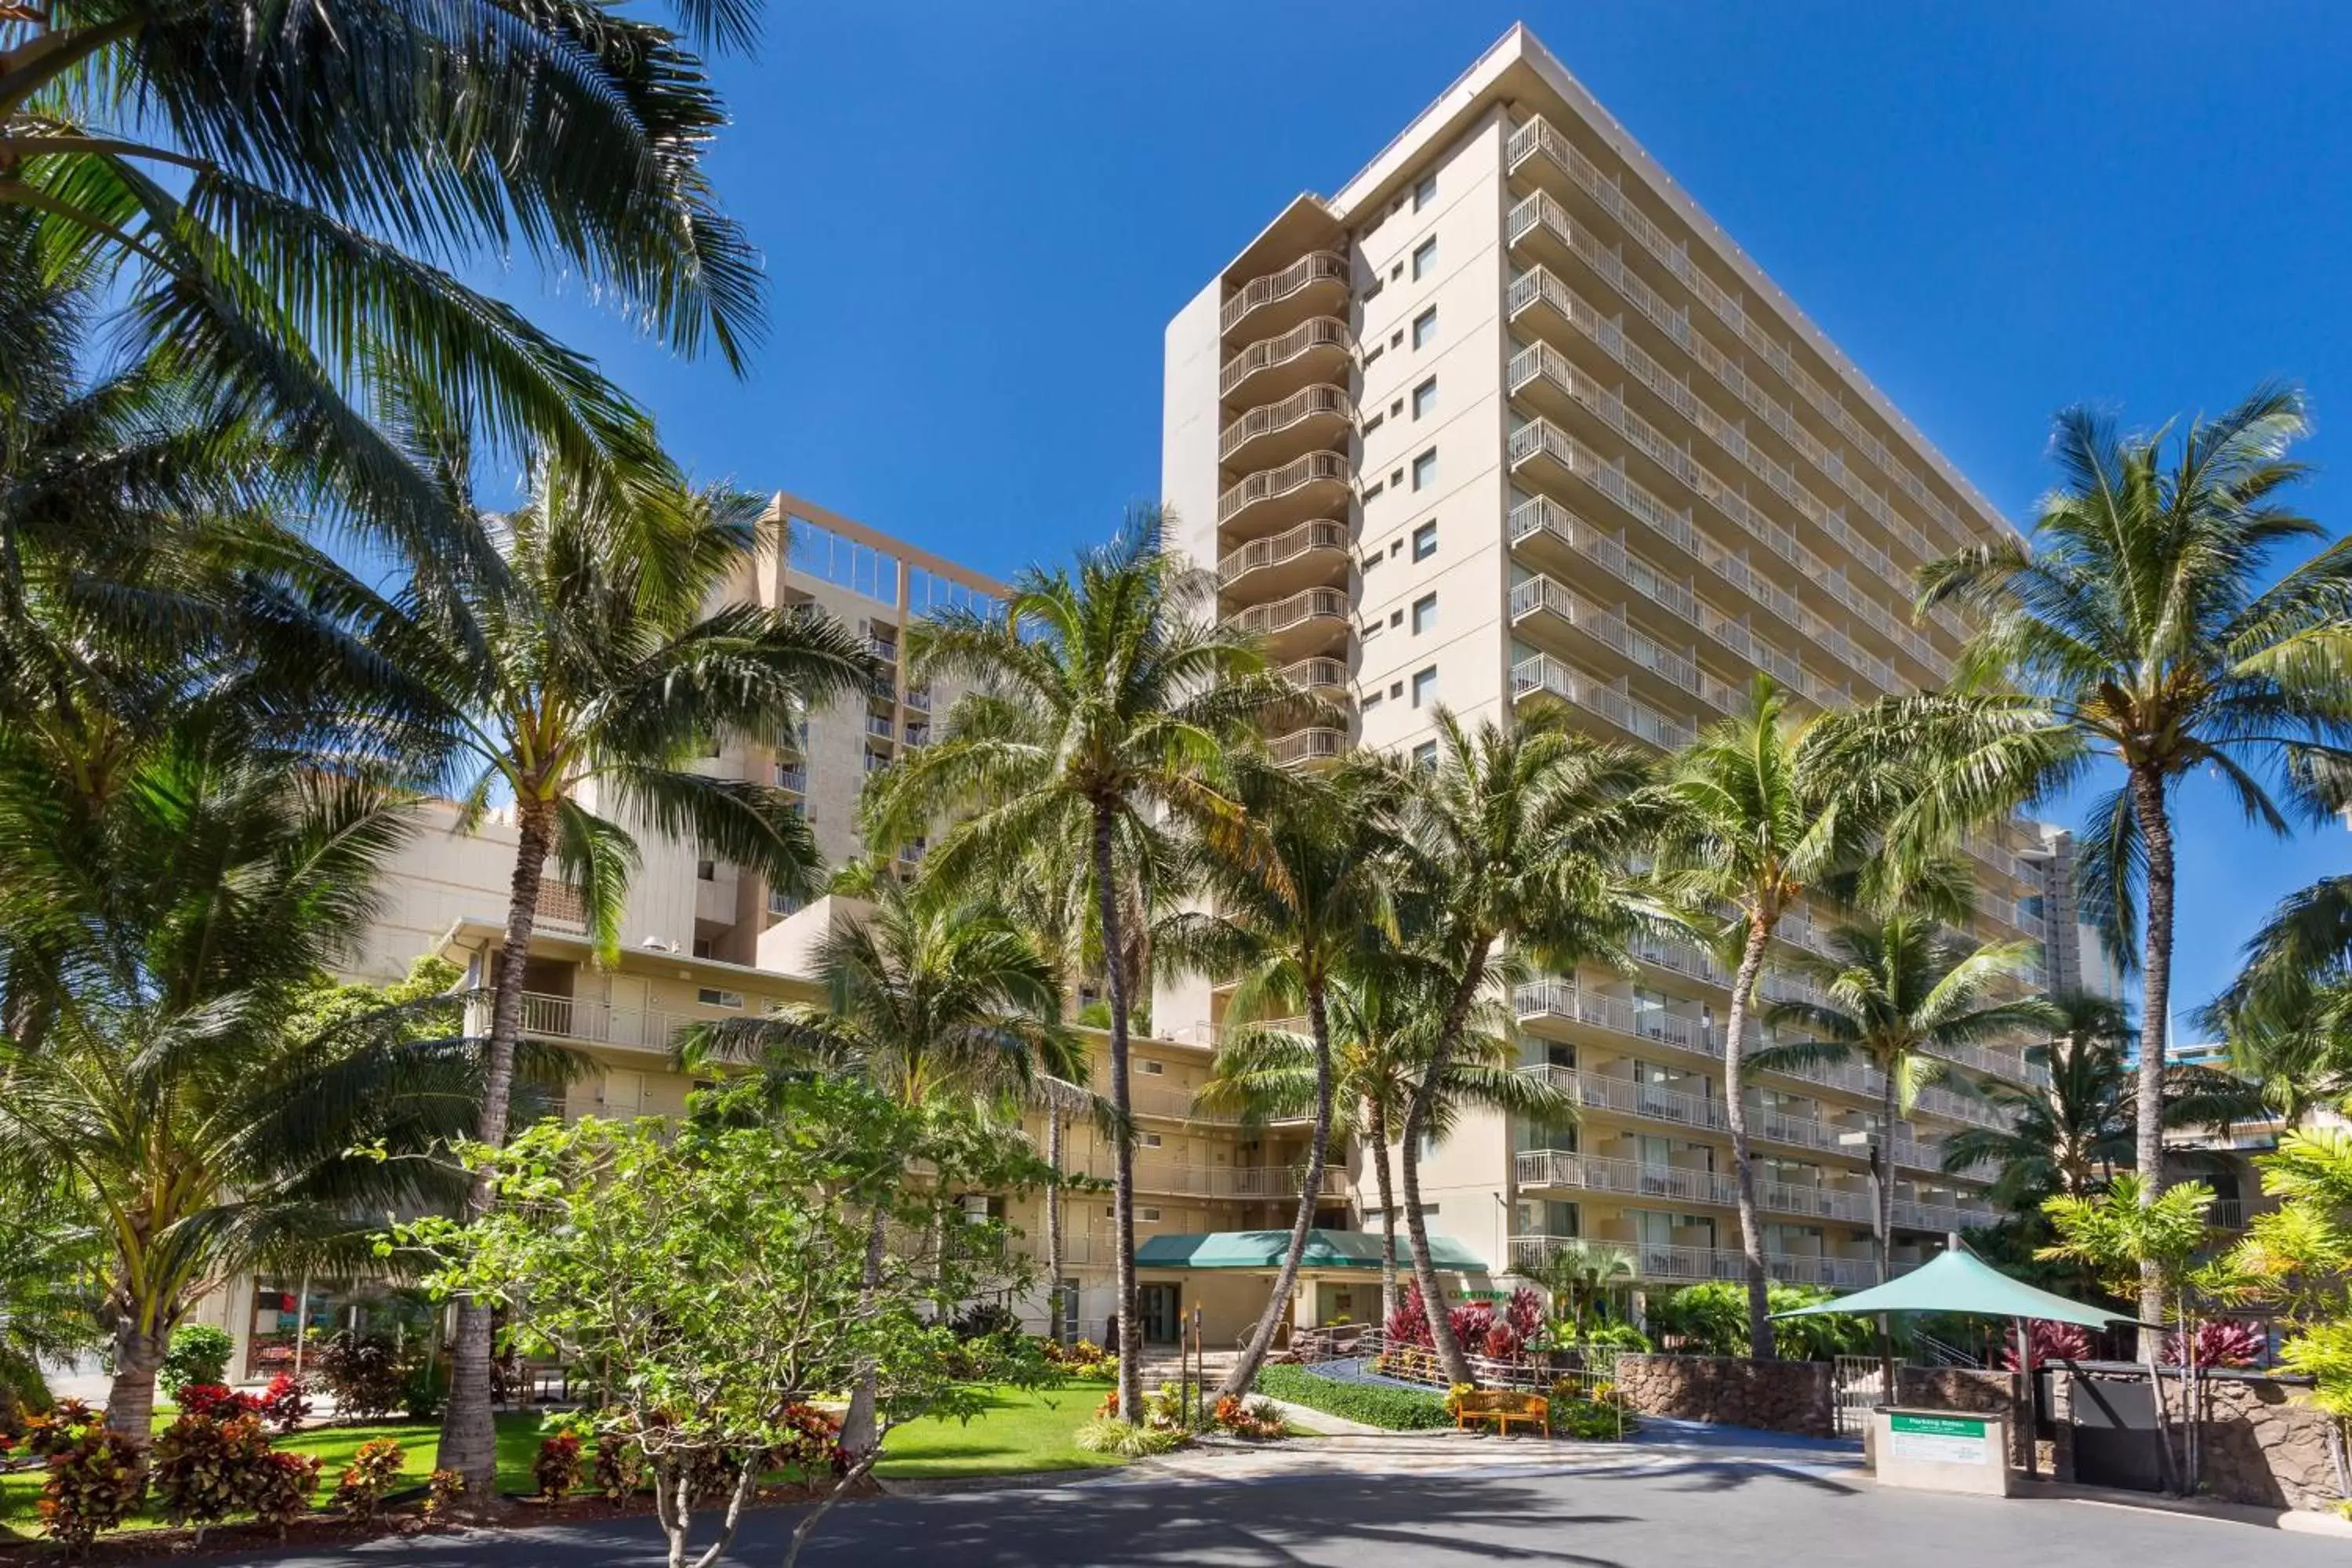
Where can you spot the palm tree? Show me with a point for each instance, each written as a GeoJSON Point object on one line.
{"type": "Point", "coordinates": [933, 1002]}
{"type": "Point", "coordinates": [2066, 1137]}
{"type": "Point", "coordinates": [2137, 629]}
{"type": "Point", "coordinates": [1902, 995]}
{"type": "Point", "coordinates": [1513, 844]}
{"type": "Point", "coordinates": [1583, 1278]}
{"type": "Point", "coordinates": [1383, 1032]}
{"type": "Point", "coordinates": [1106, 697]}
{"type": "Point", "coordinates": [2288, 1016]}
{"type": "Point", "coordinates": [585, 681]}
{"type": "Point", "coordinates": [166, 942]}
{"type": "Point", "coordinates": [1762, 810]}
{"type": "Point", "coordinates": [1283, 918]}
{"type": "Point", "coordinates": [272, 192]}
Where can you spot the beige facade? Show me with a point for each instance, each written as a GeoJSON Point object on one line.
{"type": "Point", "coordinates": [1509, 421]}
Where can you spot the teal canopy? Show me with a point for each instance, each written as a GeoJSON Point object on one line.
{"type": "Point", "coordinates": [1265, 1249]}
{"type": "Point", "coordinates": [1960, 1281]}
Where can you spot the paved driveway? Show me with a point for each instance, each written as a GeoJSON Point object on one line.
{"type": "Point", "coordinates": [1643, 1512]}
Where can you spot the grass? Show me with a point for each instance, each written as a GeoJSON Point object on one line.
{"type": "Point", "coordinates": [420, 1442]}
{"type": "Point", "coordinates": [1025, 1431]}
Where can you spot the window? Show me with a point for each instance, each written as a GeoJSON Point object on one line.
{"type": "Point", "coordinates": [712, 996]}
{"type": "Point", "coordinates": [1424, 687]}
{"type": "Point", "coordinates": [1371, 700]}
{"type": "Point", "coordinates": [1151, 1216]}
{"type": "Point", "coordinates": [1395, 545]}
{"type": "Point", "coordinates": [1398, 270]}
{"type": "Point", "coordinates": [1424, 614]}
{"type": "Point", "coordinates": [1376, 487]}
{"type": "Point", "coordinates": [1372, 628]}
{"type": "Point", "coordinates": [1375, 352]}
{"type": "Point", "coordinates": [1396, 688]}
{"type": "Point", "coordinates": [1396, 337]}
{"type": "Point", "coordinates": [1425, 756]}
{"type": "Point", "coordinates": [1424, 257]}
{"type": "Point", "coordinates": [1396, 617]}
{"type": "Point", "coordinates": [1371, 290]}
{"type": "Point", "coordinates": [1424, 398]}
{"type": "Point", "coordinates": [702, 947]}
{"type": "Point", "coordinates": [1424, 541]}
{"type": "Point", "coordinates": [1152, 1139]}
{"type": "Point", "coordinates": [1425, 327]}
{"type": "Point", "coordinates": [1374, 558]}
{"type": "Point", "coordinates": [1374, 423]}
{"type": "Point", "coordinates": [1154, 1069]}
{"type": "Point", "coordinates": [1424, 191]}
{"type": "Point", "coordinates": [706, 871]}
{"type": "Point", "coordinates": [1425, 469]}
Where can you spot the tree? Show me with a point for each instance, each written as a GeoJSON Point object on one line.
{"type": "Point", "coordinates": [929, 1003]}
{"type": "Point", "coordinates": [170, 946]}
{"type": "Point", "coordinates": [1513, 844]}
{"type": "Point", "coordinates": [585, 681]}
{"type": "Point", "coordinates": [718, 1268]}
{"type": "Point", "coordinates": [1384, 1008]}
{"type": "Point", "coordinates": [1284, 916]}
{"type": "Point", "coordinates": [272, 192]}
{"type": "Point", "coordinates": [1584, 1279]}
{"type": "Point", "coordinates": [2066, 1137]}
{"type": "Point", "coordinates": [1106, 696]}
{"type": "Point", "coordinates": [2134, 630]}
{"type": "Point", "coordinates": [2298, 1258]}
{"type": "Point", "coordinates": [2288, 1016]}
{"type": "Point", "coordinates": [1900, 994]}
{"type": "Point", "coordinates": [1760, 811]}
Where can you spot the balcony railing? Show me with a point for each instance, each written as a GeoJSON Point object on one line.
{"type": "Point", "coordinates": [1307, 403]}
{"type": "Point", "coordinates": [1681, 1264]}
{"type": "Point", "coordinates": [1318, 674]}
{"type": "Point", "coordinates": [571, 1018]}
{"type": "Point", "coordinates": [1539, 596]}
{"type": "Point", "coordinates": [1315, 746]}
{"type": "Point", "coordinates": [1228, 1180]}
{"type": "Point", "coordinates": [1544, 675]}
{"type": "Point", "coordinates": [1270, 484]}
{"type": "Point", "coordinates": [1323, 533]}
{"type": "Point", "coordinates": [1315, 267]}
{"type": "Point", "coordinates": [792, 777]}
{"type": "Point", "coordinates": [1315, 603]}
{"type": "Point", "coordinates": [1573, 1171]}
{"type": "Point", "coordinates": [1322, 332]}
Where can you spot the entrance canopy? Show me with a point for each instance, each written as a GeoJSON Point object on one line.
{"type": "Point", "coordinates": [1265, 1249]}
{"type": "Point", "coordinates": [1960, 1281]}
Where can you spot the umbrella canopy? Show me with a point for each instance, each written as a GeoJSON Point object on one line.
{"type": "Point", "coordinates": [1960, 1281]}
{"type": "Point", "coordinates": [1264, 1248]}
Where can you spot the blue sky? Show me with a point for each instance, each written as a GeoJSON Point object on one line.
{"type": "Point", "coordinates": [977, 219]}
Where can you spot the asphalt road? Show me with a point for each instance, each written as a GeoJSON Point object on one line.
{"type": "Point", "coordinates": [1683, 1514]}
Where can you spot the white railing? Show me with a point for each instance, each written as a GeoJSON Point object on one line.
{"type": "Point", "coordinates": [1265, 620]}
{"type": "Point", "coordinates": [1539, 595]}
{"type": "Point", "coordinates": [1307, 403]}
{"type": "Point", "coordinates": [1322, 533]}
{"type": "Point", "coordinates": [1270, 484]}
{"type": "Point", "coordinates": [1228, 1180]}
{"type": "Point", "coordinates": [572, 1018]}
{"type": "Point", "coordinates": [1322, 332]}
{"type": "Point", "coordinates": [1545, 675]}
{"type": "Point", "coordinates": [1314, 745]}
{"type": "Point", "coordinates": [1319, 673]}
{"type": "Point", "coordinates": [1315, 267]}
{"type": "Point", "coordinates": [1673, 1264]}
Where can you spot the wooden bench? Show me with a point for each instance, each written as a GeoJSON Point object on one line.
{"type": "Point", "coordinates": [1502, 1407]}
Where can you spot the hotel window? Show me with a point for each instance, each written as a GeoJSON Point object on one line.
{"type": "Point", "coordinates": [1424, 255]}
{"type": "Point", "coordinates": [706, 871]}
{"type": "Point", "coordinates": [1424, 541]}
{"type": "Point", "coordinates": [1424, 687]}
{"type": "Point", "coordinates": [1424, 398]}
{"type": "Point", "coordinates": [1151, 1216]}
{"type": "Point", "coordinates": [1424, 614]}
{"type": "Point", "coordinates": [1152, 1139]}
{"type": "Point", "coordinates": [1374, 423]}
{"type": "Point", "coordinates": [1154, 1069]}
{"type": "Point", "coordinates": [1425, 469]}
{"type": "Point", "coordinates": [1425, 327]}
{"type": "Point", "coordinates": [1424, 191]}
{"type": "Point", "coordinates": [712, 996]}
{"type": "Point", "coordinates": [1425, 756]}
{"type": "Point", "coordinates": [1371, 700]}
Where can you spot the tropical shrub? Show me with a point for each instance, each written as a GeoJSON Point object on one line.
{"type": "Point", "coordinates": [370, 1477]}
{"type": "Point", "coordinates": [281, 1489]}
{"type": "Point", "coordinates": [364, 1375]}
{"type": "Point", "coordinates": [443, 1490]}
{"type": "Point", "coordinates": [96, 1477]}
{"type": "Point", "coordinates": [215, 1402]}
{"type": "Point", "coordinates": [199, 1352]}
{"type": "Point", "coordinates": [1587, 1420]}
{"type": "Point", "coordinates": [1110, 1435]}
{"type": "Point", "coordinates": [620, 1468]}
{"type": "Point", "coordinates": [2221, 1341]}
{"type": "Point", "coordinates": [558, 1467]}
{"type": "Point", "coordinates": [1375, 1404]}
{"type": "Point", "coordinates": [1256, 1418]}
{"type": "Point", "coordinates": [1617, 1336]}
{"type": "Point", "coordinates": [2047, 1342]}
{"type": "Point", "coordinates": [986, 1320]}
{"type": "Point", "coordinates": [1474, 1322]}
{"type": "Point", "coordinates": [206, 1467]}
{"type": "Point", "coordinates": [812, 1445]}
{"type": "Point", "coordinates": [426, 1387]}
{"type": "Point", "coordinates": [285, 1404]}
{"type": "Point", "coordinates": [1712, 1319]}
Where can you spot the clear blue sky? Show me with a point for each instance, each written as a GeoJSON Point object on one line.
{"type": "Point", "coordinates": [977, 219]}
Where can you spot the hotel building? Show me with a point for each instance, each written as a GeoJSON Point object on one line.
{"type": "Point", "coordinates": [1509, 421]}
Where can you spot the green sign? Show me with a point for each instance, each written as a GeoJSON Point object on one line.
{"type": "Point", "coordinates": [1938, 1426]}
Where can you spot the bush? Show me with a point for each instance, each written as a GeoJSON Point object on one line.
{"type": "Point", "coordinates": [1588, 1420]}
{"type": "Point", "coordinates": [369, 1477]}
{"type": "Point", "coordinates": [95, 1479]}
{"type": "Point", "coordinates": [1617, 1336]}
{"type": "Point", "coordinates": [1712, 1319]}
{"type": "Point", "coordinates": [620, 1468]}
{"type": "Point", "coordinates": [2047, 1342]}
{"type": "Point", "coordinates": [557, 1468]}
{"type": "Point", "coordinates": [282, 1485]}
{"type": "Point", "coordinates": [1257, 1418]}
{"type": "Point", "coordinates": [987, 1321]}
{"type": "Point", "coordinates": [198, 1353]}
{"type": "Point", "coordinates": [815, 1449]}
{"type": "Point", "coordinates": [1110, 1435]}
{"type": "Point", "coordinates": [2221, 1342]}
{"type": "Point", "coordinates": [364, 1375]}
{"type": "Point", "coordinates": [285, 1404]}
{"type": "Point", "coordinates": [441, 1494]}
{"type": "Point", "coordinates": [215, 1402]}
{"type": "Point", "coordinates": [427, 1387]}
{"type": "Point", "coordinates": [1398, 1409]}
{"type": "Point", "coordinates": [208, 1466]}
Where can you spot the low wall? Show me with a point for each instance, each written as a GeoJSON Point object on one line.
{"type": "Point", "coordinates": [1968, 1390]}
{"type": "Point", "coordinates": [2262, 1442]}
{"type": "Point", "coordinates": [1772, 1395]}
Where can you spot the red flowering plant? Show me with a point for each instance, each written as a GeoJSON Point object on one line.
{"type": "Point", "coordinates": [285, 1404]}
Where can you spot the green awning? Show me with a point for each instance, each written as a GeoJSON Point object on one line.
{"type": "Point", "coordinates": [1265, 1249]}
{"type": "Point", "coordinates": [1960, 1281]}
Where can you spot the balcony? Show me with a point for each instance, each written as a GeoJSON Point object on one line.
{"type": "Point", "coordinates": [881, 726]}
{"type": "Point", "coordinates": [1273, 498]}
{"type": "Point", "coordinates": [559, 904]}
{"type": "Point", "coordinates": [917, 698]}
{"type": "Point", "coordinates": [883, 649]}
{"type": "Point", "coordinates": [1273, 432]}
{"type": "Point", "coordinates": [791, 776]}
{"type": "Point", "coordinates": [1316, 281]}
{"type": "Point", "coordinates": [1314, 551]}
{"type": "Point", "coordinates": [1303, 748]}
{"type": "Point", "coordinates": [1325, 677]}
{"type": "Point", "coordinates": [1321, 350]}
{"type": "Point", "coordinates": [1544, 676]}
{"type": "Point", "coordinates": [1302, 623]}
{"type": "Point", "coordinates": [1276, 1182]}
{"type": "Point", "coordinates": [1539, 601]}
{"type": "Point", "coordinates": [567, 1019]}
{"type": "Point", "coordinates": [1690, 1265]}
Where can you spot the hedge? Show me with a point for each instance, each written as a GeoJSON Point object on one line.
{"type": "Point", "coordinates": [1398, 1409]}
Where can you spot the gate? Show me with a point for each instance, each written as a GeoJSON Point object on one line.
{"type": "Point", "coordinates": [2115, 1432]}
{"type": "Point", "coordinates": [1859, 1383]}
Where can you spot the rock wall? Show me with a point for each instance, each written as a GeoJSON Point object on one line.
{"type": "Point", "coordinates": [2261, 1442]}
{"type": "Point", "coordinates": [1773, 1395]}
{"type": "Point", "coordinates": [1965, 1389]}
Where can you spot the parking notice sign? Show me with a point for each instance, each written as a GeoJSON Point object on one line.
{"type": "Point", "coordinates": [1938, 1439]}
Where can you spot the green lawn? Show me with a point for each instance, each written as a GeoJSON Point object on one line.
{"type": "Point", "coordinates": [20, 1491]}
{"type": "Point", "coordinates": [1025, 1431]}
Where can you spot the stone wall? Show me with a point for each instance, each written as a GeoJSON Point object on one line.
{"type": "Point", "coordinates": [1773, 1395]}
{"type": "Point", "coordinates": [1967, 1389]}
{"type": "Point", "coordinates": [2262, 1442]}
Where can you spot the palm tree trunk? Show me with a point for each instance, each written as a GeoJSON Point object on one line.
{"type": "Point", "coordinates": [130, 1396]}
{"type": "Point", "coordinates": [1278, 1303]}
{"type": "Point", "coordinates": [857, 1423]}
{"type": "Point", "coordinates": [1743, 1158]}
{"type": "Point", "coordinates": [1122, 1197]}
{"type": "Point", "coordinates": [1056, 1266]}
{"type": "Point", "coordinates": [1376, 1119]}
{"type": "Point", "coordinates": [2156, 1001]}
{"type": "Point", "coordinates": [1888, 1108]}
{"type": "Point", "coordinates": [468, 1432]}
{"type": "Point", "coordinates": [1416, 1117]}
